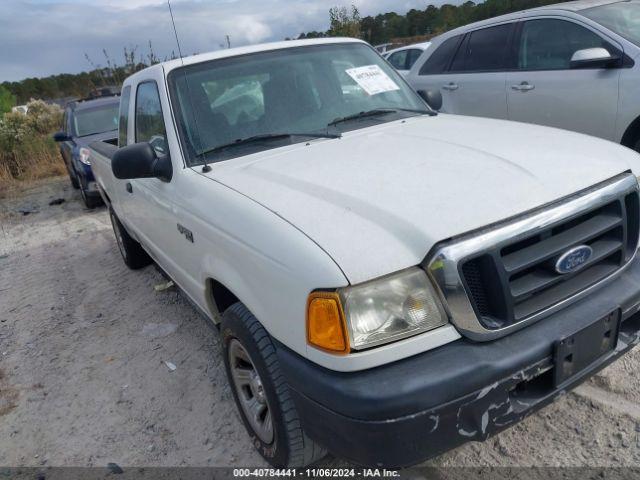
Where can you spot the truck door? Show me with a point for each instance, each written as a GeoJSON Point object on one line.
{"type": "Point", "coordinates": [148, 202]}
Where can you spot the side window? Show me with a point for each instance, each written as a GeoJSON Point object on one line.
{"type": "Point", "coordinates": [439, 60]}
{"type": "Point", "coordinates": [549, 44]}
{"type": "Point", "coordinates": [149, 121]}
{"type": "Point", "coordinates": [123, 119]}
{"type": "Point", "coordinates": [412, 56]}
{"type": "Point", "coordinates": [483, 50]}
{"type": "Point", "coordinates": [398, 59]}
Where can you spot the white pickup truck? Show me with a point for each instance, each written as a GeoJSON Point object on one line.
{"type": "Point", "coordinates": [388, 282]}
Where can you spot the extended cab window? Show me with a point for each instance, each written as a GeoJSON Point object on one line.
{"type": "Point", "coordinates": [549, 44]}
{"type": "Point", "coordinates": [123, 120]}
{"type": "Point", "coordinates": [149, 122]}
{"type": "Point", "coordinates": [441, 58]}
{"type": "Point", "coordinates": [483, 50]}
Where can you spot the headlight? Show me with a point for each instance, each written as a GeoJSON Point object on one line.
{"type": "Point", "coordinates": [84, 154]}
{"type": "Point", "coordinates": [376, 312]}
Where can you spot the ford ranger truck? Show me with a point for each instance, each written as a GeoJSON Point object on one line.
{"type": "Point", "coordinates": [388, 282]}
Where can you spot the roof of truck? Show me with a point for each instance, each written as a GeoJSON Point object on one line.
{"type": "Point", "coordinates": [234, 52]}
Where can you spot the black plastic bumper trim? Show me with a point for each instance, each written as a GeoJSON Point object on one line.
{"type": "Point", "coordinates": [402, 413]}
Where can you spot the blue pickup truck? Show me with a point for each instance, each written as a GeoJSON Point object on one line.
{"type": "Point", "coordinates": [84, 122]}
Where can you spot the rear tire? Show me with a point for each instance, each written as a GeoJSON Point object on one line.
{"type": "Point", "coordinates": [132, 252]}
{"type": "Point", "coordinates": [259, 387]}
{"type": "Point", "coordinates": [636, 145]}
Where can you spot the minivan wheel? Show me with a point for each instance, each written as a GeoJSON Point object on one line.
{"type": "Point", "coordinates": [132, 252]}
{"type": "Point", "coordinates": [261, 393]}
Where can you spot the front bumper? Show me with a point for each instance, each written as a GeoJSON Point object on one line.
{"type": "Point", "coordinates": [414, 409]}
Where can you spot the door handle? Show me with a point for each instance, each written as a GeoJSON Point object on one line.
{"type": "Point", "coordinates": [523, 87]}
{"type": "Point", "coordinates": [129, 187]}
{"type": "Point", "coordinates": [450, 86]}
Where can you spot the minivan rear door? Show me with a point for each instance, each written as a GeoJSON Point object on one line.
{"type": "Point", "coordinates": [476, 81]}
{"type": "Point", "coordinates": [545, 90]}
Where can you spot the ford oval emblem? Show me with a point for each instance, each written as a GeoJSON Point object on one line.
{"type": "Point", "coordinates": [573, 259]}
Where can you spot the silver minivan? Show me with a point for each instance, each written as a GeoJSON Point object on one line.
{"type": "Point", "coordinates": [572, 65]}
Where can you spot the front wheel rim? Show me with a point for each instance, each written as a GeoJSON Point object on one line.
{"type": "Point", "coordinates": [250, 392]}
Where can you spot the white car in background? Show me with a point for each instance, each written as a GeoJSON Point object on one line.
{"type": "Point", "coordinates": [403, 58]}
{"type": "Point", "coordinates": [573, 65]}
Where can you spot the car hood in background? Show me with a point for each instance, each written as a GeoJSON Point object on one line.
{"type": "Point", "coordinates": [378, 199]}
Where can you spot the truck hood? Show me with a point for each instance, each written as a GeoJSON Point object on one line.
{"type": "Point", "coordinates": [378, 199]}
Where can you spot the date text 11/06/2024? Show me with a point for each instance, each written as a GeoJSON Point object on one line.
{"type": "Point", "coordinates": [315, 473]}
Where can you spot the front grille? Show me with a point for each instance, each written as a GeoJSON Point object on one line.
{"type": "Point", "coordinates": [517, 279]}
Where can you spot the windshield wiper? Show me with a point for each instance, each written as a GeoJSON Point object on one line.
{"type": "Point", "coordinates": [378, 111]}
{"type": "Point", "coordinates": [267, 136]}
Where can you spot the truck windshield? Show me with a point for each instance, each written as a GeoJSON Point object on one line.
{"type": "Point", "coordinates": [622, 18]}
{"type": "Point", "coordinates": [95, 120]}
{"type": "Point", "coordinates": [319, 89]}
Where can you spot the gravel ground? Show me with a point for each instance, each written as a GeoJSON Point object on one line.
{"type": "Point", "coordinates": [83, 341]}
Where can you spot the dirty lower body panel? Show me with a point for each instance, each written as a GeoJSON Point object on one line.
{"type": "Point", "coordinates": [400, 414]}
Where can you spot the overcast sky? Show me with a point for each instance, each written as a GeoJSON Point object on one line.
{"type": "Point", "coordinates": [44, 37]}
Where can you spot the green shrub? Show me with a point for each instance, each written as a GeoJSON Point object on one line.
{"type": "Point", "coordinates": [7, 100]}
{"type": "Point", "coordinates": [27, 150]}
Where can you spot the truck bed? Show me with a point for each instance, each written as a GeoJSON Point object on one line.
{"type": "Point", "coordinates": [101, 154]}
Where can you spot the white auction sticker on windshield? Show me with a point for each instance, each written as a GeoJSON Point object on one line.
{"type": "Point", "coordinates": [372, 79]}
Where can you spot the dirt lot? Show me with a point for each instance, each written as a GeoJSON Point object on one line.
{"type": "Point", "coordinates": [83, 341]}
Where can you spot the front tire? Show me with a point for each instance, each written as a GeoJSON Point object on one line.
{"type": "Point", "coordinates": [261, 393]}
{"type": "Point", "coordinates": [132, 252]}
{"type": "Point", "coordinates": [73, 176]}
{"type": "Point", "coordinates": [90, 201]}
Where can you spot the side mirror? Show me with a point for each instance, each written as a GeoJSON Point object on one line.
{"type": "Point", "coordinates": [61, 137]}
{"type": "Point", "coordinates": [432, 97]}
{"type": "Point", "coordinates": [141, 161]}
{"type": "Point", "coordinates": [594, 58]}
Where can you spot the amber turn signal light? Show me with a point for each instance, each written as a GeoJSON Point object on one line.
{"type": "Point", "coordinates": [326, 327]}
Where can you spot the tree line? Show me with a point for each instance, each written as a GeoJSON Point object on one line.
{"type": "Point", "coordinates": [79, 85]}
{"type": "Point", "coordinates": [415, 25]}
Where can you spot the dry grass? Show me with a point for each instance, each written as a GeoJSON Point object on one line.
{"type": "Point", "coordinates": [27, 151]}
{"type": "Point", "coordinates": [34, 161]}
